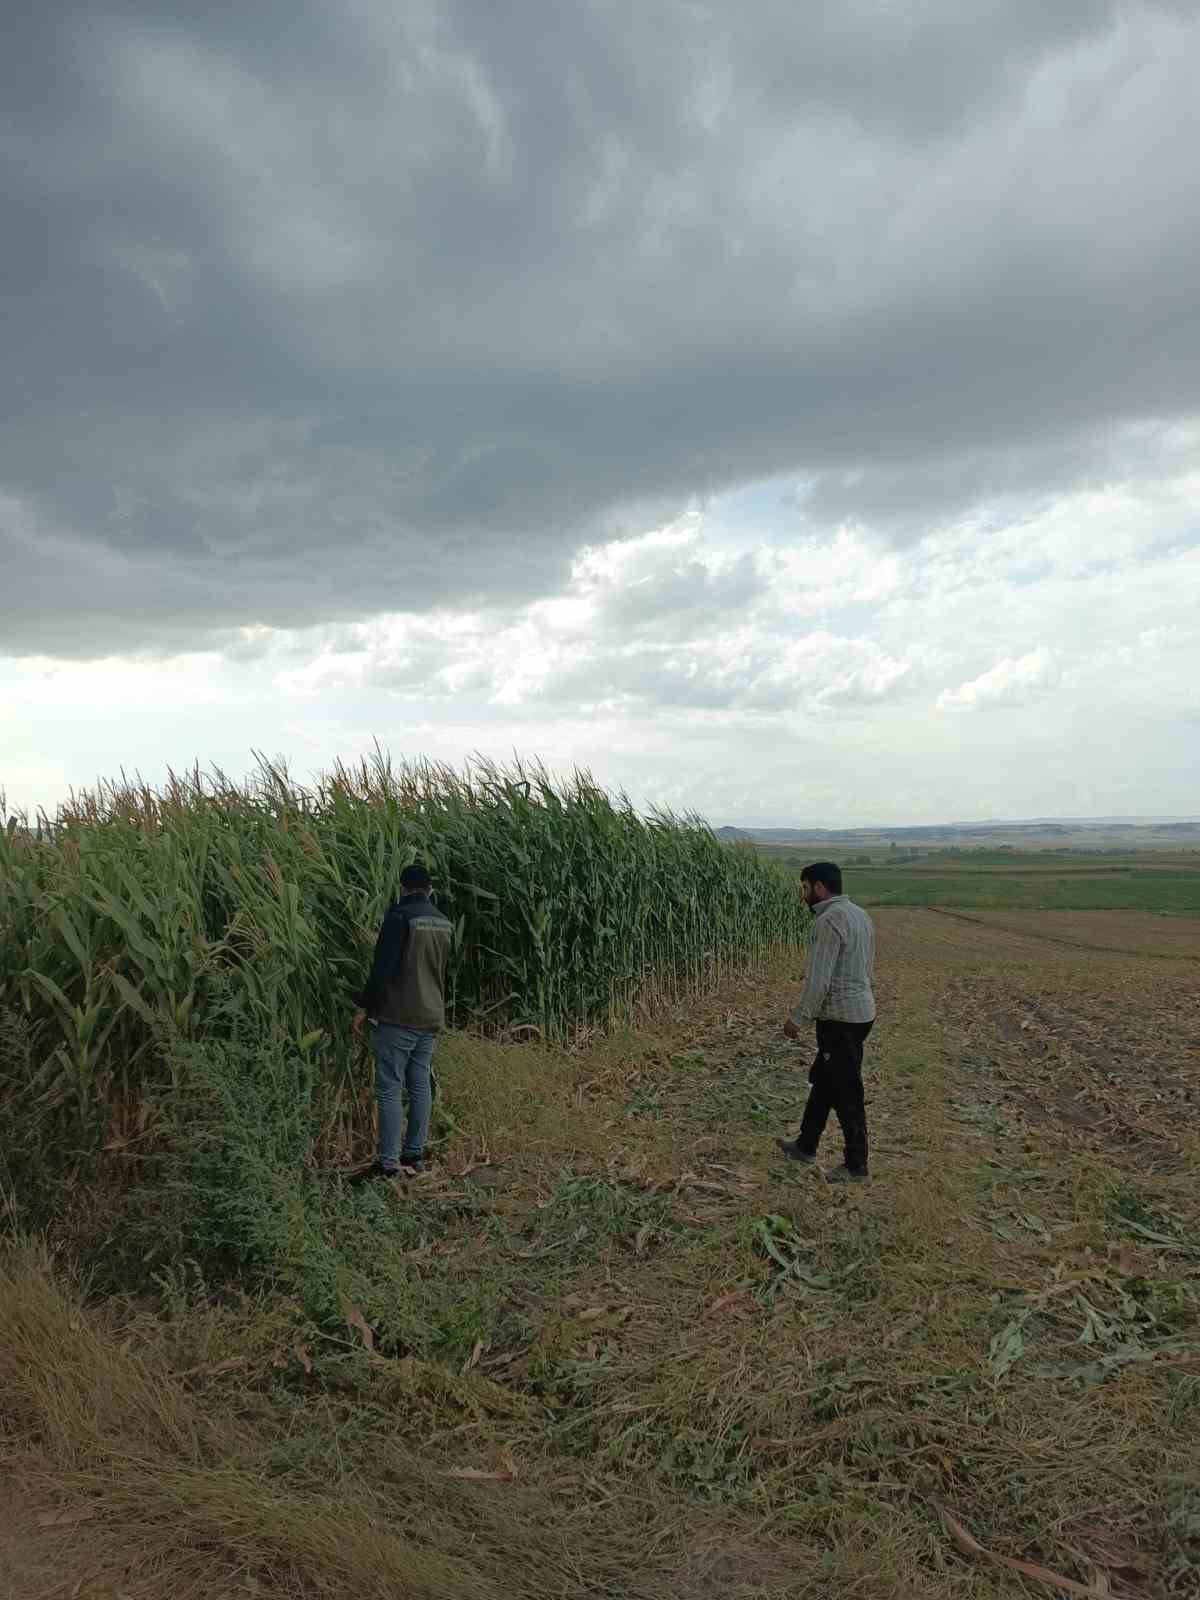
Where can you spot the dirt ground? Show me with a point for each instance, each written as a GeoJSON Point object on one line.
{"type": "Point", "coordinates": [38, 1556]}
{"type": "Point", "coordinates": [983, 1367]}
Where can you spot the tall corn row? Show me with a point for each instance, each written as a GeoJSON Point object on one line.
{"type": "Point", "coordinates": [138, 914]}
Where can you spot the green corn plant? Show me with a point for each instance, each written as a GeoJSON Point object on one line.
{"type": "Point", "coordinates": [139, 916]}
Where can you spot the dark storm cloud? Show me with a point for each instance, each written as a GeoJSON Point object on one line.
{"type": "Point", "coordinates": [310, 311]}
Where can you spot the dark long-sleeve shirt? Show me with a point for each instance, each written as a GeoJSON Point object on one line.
{"type": "Point", "coordinates": [407, 984]}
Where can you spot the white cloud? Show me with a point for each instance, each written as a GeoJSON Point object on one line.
{"type": "Point", "coordinates": [869, 684]}
{"type": "Point", "coordinates": [1009, 682]}
{"type": "Point", "coordinates": [814, 695]}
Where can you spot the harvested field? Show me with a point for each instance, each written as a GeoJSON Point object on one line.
{"type": "Point", "coordinates": [1140, 933]}
{"type": "Point", "coordinates": [615, 1348]}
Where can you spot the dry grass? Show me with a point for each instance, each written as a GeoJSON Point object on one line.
{"type": "Point", "coordinates": [681, 1367]}
{"type": "Point", "coordinates": [1138, 933]}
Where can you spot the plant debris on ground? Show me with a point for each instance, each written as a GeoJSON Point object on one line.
{"type": "Point", "coordinates": [614, 1346]}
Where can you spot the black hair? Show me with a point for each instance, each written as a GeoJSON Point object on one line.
{"type": "Point", "coordinates": [415, 877]}
{"type": "Point", "coordinates": [824, 872]}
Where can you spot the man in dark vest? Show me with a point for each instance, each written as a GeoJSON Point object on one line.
{"type": "Point", "coordinates": [405, 1001]}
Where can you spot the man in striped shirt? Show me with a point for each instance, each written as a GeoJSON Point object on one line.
{"type": "Point", "coordinates": [837, 997]}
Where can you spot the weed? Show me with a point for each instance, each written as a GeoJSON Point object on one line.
{"type": "Point", "coordinates": [1128, 1202]}
{"type": "Point", "coordinates": [584, 1214]}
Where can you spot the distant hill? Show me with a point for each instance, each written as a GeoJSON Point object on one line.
{"type": "Point", "coordinates": [1044, 833]}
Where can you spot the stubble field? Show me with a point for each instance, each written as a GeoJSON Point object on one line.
{"type": "Point", "coordinates": [637, 1355]}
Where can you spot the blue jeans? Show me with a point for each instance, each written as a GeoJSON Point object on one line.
{"type": "Point", "coordinates": [402, 1061]}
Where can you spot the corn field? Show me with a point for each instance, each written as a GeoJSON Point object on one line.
{"type": "Point", "coordinates": [140, 916]}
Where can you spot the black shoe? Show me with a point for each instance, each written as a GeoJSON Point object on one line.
{"type": "Point", "coordinates": [412, 1163]}
{"type": "Point", "coordinates": [375, 1173]}
{"type": "Point", "coordinates": [847, 1175]}
{"type": "Point", "coordinates": [794, 1153]}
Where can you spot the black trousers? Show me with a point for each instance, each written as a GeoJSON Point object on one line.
{"type": "Point", "coordinates": [837, 1085]}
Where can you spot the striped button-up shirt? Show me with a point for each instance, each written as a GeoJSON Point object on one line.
{"type": "Point", "coordinates": [837, 986]}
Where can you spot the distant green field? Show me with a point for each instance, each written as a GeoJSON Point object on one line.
{"type": "Point", "coordinates": [1031, 882]}
{"type": "Point", "coordinates": [1128, 890]}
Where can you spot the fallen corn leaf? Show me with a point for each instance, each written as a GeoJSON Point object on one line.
{"type": "Point", "coordinates": [227, 1365]}
{"type": "Point", "coordinates": [504, 1471]}
{"type": "Point", "coordinates": [736, 1299]}
{"type": "Point", "coordinates": [67, 1517]}
{"type": "Point", "coordinates": [356, 1320]}
{"type": "Point", "coordinates": [1028, 1569]}
{"type": "Point", "coordinates": [1127, 1261]}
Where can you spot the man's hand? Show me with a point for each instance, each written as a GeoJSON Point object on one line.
{"type": "Point", "coordinates": [356, 1027]}
{"type": "Point", "coordinates": [790, 1030]}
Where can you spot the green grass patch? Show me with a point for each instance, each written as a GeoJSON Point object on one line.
{"type": "Point", "coordinates": [1105, 889]}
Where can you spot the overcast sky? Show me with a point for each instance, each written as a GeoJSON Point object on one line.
{"type": "Point", "coordinates": [788, 409]}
